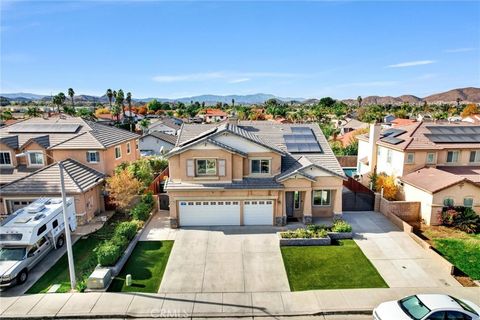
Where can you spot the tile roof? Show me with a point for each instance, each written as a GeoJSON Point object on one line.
{"type": "Point", "coordinates": [78, 179]}
{"type": "Point", "coordinates": [432, 180]}
{"type": "Point", "coordinates": [8, 175]}
{"type": "Point", "coordinates": [43, 141]}
{"type": "Point", "coordinates": [215, 112]}
{"type": "Point", "coordinates": [163, 136]}
{"type": "Point", "coordinates": [66, 132]}
{"type": "Point", "coordinates": [471, 173]}
{"type": "Point", "coordinates": [11, 141]}
{"type": "Point", "coordinates": [246, 183]}
{"type": "Point", "coordinates": [355, 124]}
{"type": "Point", "coordinates": [171, 123]}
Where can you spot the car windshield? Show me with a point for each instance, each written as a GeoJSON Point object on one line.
{"type": "Point", "coordinates": [464, 305]}
{"type": "Point", "coordinates": [414, 307]}
{"type": "Point", "coordinates": [12, 254]}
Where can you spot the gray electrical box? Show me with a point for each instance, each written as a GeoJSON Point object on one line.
{"type": "Point", "coordinates": [99, 279]}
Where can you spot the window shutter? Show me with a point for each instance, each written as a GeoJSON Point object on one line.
{"type": "Point", "coordinates": [221, 167]}
{"type": "Point", "coordinates": [97, 156]}
{"type": "Point", "coordinates": [190, 168]}
{"type": "Point", "coordinates": [88, 159]}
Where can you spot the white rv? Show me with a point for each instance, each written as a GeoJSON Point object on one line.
{"type": "Point", "coordinates": [28, 234]}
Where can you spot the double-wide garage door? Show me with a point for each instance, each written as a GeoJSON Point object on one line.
{"type": "Point", "coordinates": [225, 213]}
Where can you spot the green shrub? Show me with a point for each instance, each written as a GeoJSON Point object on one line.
{"type": "Point", "coordinates": [127, 229]}
{"type": "Point", "coordinates": [148, 199]}
{"type": "Point", "coordinates": [462, 218]}
{"type": "Point", "coordinates": [340, 225]}
{"type": "Point", "coordinates": [108, 253]}
{"type": "Point", "coordinates": [304, 233]}
{"type": "Point", "coordinates": [316, 227]}
{"type": "Point", "coordinates": [320, 234]}
{"type": "Point", "coordinates": [120, 241]}
{"type": "Point", "coordinates": [141, 211]}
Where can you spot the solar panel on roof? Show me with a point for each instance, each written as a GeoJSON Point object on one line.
{"type": "Point", "coordinates": [393, 132]}
{"type": "Point", "coordinates": [454, 138]}
{"type": "Point", "coordinates": [392, 140]}
{"type": "Point", "coordinates": [305, 130]}
{"type": "Point", "coordinates": [44, 128]}
{"type": "Point", "coordinates": [302, 140]}
{"type": "Point", "coordinates": [456, 130]}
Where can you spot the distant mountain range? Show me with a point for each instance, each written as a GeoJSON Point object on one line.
{"type": "Point", "coordinates": [466, 95]}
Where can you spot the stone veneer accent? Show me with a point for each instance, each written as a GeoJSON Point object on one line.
{"type": "Point", "coordinates": [307, 219]}
{"type": "Point", "coordinates": [173, 223]}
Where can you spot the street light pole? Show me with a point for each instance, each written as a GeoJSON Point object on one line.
{"type": "Point", "coordinates": [71, 267]}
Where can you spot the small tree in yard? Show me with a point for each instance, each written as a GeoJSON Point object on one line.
{"type": "Point", "coordinates": [389, 187]}
{"type": "Point", "coordinates": [469, 110]}
{"type": "Point", "coordinates": [123, 187]}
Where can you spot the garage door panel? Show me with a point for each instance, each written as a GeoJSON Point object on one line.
{"type": "Point", "coordinates": [209, 213]}
{"type": "Point", "coordinates": [258, 212]}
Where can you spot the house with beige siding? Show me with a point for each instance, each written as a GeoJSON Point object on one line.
{"type": "Point", "coordinates": [29, 149]}
{"type": "Point", "coordinates": [436, 163]}
{"type": "Point", "coordinates": [252, 173]}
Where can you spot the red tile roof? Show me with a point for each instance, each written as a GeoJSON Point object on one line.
{"type": "Point", "coordinates": [402, 122]}
{"type": "Point", "coordinates": [215, 112]}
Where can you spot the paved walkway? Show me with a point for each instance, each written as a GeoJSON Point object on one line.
{"type": "Point", "coordinates": [121, 305]}
{"type": "Point", "coordinates": [228, 259]}
{"type": "Point", "coordinates": [398, 258]}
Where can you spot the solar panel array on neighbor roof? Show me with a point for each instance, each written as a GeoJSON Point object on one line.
{"type": "Point", "coordinates": [389, 136]}
{"type": "Point", "coordinates": [302, 140]}
{"type": "Point", "coordinates": [453, 134]}
{"type": "Point", "coordinates": [44, 128]}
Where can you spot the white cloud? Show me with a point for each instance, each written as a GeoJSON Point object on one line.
{"type": "Point", "coordinates": [411, 63]}
{"type": "Point", "coordinates": [230, 77]}
{"type": "Point", "coordinates": [239, 80]}
{"type": "Point", "coordinates": [457, 50]}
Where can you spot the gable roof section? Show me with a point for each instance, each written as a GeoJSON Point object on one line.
{"type": "Point", "coordinates": [11, 141]}
{"type": "Point", "coordinates": [301, 165]}
{"type": "Point", "coordinates": [163, 136]}
{"type": "Point", "coordinates": [433, 180]}
{"type": "Point", "coordinates": [78, 179]}
{"type": "Point", "coordinates": [43, 141]}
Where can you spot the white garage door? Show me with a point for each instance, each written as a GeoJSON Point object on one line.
{"type": "Point", "coordinates": [258, 212]}
{"type": "Point", "coordinates": [209, 213]}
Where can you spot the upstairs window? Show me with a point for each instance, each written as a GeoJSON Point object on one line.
{"type": "Point", "coordinates": [430, 157]}
{"type": "Point", "coordinates": [474, 156]}
{"type": "Point", "coordinates": [468, 202]}
{"type": "Point", "coordinates": [261, 166]}
{"type": "Point", "coordinates": [35, 158]}
{"type": "Point", "coordinates": [389, 156]}
{"type": "Point", "coordinates": [452, 156]}
{"type": "Point", "coordinates": [118, 152]}
{"type": "Point", "coordinates": [5, 158]}
{"type": "Point", "coordinates": [128, 148]}
{"type": "Point", "coordinates": [448, 202]}
{"type": "Point", "coordinates": [410, 158]}
{"type": "Point", "coordinates": [206, 167]}
{"type": "Point", "coordinates": [93, 156]}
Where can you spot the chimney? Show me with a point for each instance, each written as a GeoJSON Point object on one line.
{"type": "Point", "coordinates": [373, 136]}
{"type": "Point", "coordinates": [233, 119]}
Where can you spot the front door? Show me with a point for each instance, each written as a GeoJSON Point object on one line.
{"type": "Point", "coordinates": [289, 203]}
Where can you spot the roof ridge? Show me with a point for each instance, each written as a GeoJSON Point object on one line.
{"type": "Point", "coordinates": [29, 175]}
{"type": "Point", "coordinates": [68, 173]}
{"type": "Point", "coordinates": [411, 135]}
{"type": "Point", "coordinates": [69, 139]}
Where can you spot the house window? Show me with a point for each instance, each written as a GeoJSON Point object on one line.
{"type": "Point", "coordinates": [389, 156]}
{"type": "Point", "coordinates": [322, 197]}
{"type": "Point", "coordinates": [296, 199]}
{"type": "Point", "coordinates": [136, 144]}
{"type": "Point", "coordinates": [93, 156]}
{"type": "Point", "coordinates": [475, 156]}
{"type": "Point", "coordinates": [118, 152]}
{"type": "Point", "coordinates": [128, 148]}
{"type": "Point", "coordinates": [430, 157]}
{"type": "Point", "coordinates": [206, 167]}
{"type": "Point", "coordinates": [452, 156]}
{"type": "Point", "coordinates": [448, 202]}
{"type": "Point", "coordinates": [468, 202]}
{"type": "Point", "coordinates": [410, 158]}
{"type": "Point", "coordinates": [260, 166]}
{"type": "Point", "coordinates": [35, 158]}
{"type": "Point", "coordinates": [5, 158]}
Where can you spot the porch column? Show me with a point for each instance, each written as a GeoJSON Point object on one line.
{"type": "Point", "coordinates": [307, 207]}
{"type": "Point", "coordinates": [337, 208]}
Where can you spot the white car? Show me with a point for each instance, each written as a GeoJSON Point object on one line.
{"type": "Point", "coordinates": [427, 307]}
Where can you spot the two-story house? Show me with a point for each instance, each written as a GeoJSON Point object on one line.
{"type": "Point", "coordinates": [252, 173]}
{"type": "Point", "coordinates": [30, 149]}
{"type": "Point", "coordinates": [435, 163]}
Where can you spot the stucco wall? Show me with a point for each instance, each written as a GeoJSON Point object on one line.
{"type": "Point", "coordinates": [4, 148]}
{"type": "Point", "coordinates": [81, 156]}
{"type": "Point", "coordinates": [154, 144]}
{"type": "Point", "coordinates": [111, 163]}
{"type": "Point", "coordinates": [275, 163]}
{"type": "Point", "coordinates": [395, 167]}
{"type": "Point", "coordinates": [408, 211]}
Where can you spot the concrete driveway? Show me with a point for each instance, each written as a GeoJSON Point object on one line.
{"type": "Point", "coordinates": [398, 258]}
{"type": "Point", "coordinates": [228, 259]}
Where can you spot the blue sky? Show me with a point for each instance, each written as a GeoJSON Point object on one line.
{"type": "Point", "coordinates": [290, 49]}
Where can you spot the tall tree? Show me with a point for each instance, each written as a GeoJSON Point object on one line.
{"type": "Point", "coordinates": [110, 97]}
{"type": "Point", "coordinates": [119, 98]}
{"type": "Point", "coordinates": [33, 112]}
{"type": "Point", "coordinates": [129, 102]}
{"type": "Point", "coordinates": [359, 100]}
{"type": "Point", "coordinates": [58, 100]}
{"type": "Point", "coordinates": [71, 93]}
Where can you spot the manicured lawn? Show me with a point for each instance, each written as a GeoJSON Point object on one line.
{"type": "Point", "coordinates": [85, 260]}
{"type": "Point", "coordinates": [146, 265]}
{"type": "Point", "coordinates": [339, 266]}
{"type": "Point", "coordinates": [460, 248]}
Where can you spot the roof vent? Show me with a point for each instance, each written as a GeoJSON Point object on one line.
{"type": "Point", "coordinates": [39, 216]}
{"type": "Point", "coordinates": [35, 207]}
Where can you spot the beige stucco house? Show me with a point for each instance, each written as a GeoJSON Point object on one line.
{"type": "Point", "coordinates": [434, 163]}
{"type": "Point", "coordinates": [29, 150]}
{"type": "Point", "coordinates": [252, 173]}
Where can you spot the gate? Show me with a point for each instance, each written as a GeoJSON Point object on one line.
{"type": "Point", "coordinates": [356, 197]}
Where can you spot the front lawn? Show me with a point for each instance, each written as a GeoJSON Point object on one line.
{"type": "Point", "coordinates": [146, 265]}
{"type": "Point", "coordinates": [460, 248]}
{"type": "Point", "coordinates": [342, 266]}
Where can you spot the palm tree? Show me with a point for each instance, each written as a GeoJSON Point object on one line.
{"type": "Point", "coordinates": [119, 98]}
{"type": "Point", "coordinates": [58, 100]}
{"type": "Point", "coordinates": [109, 96]}
{"type": "Point", "coordinates": [129, 102]}
{"type": "Point", "coordinates": [144, 123]}
{"type": "Point", "coordinates": [359, 100]}
{"type": "Point", "coordinates": [32, 112]}
{"type": "Point", "coordinates": [71, 93]}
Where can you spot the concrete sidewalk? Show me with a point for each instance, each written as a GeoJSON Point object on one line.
{"type": "Point", "coordinates": [239, 304]}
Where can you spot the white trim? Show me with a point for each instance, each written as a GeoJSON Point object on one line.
{"type": "Point", "coordinates": [206, 174]}
{"type": "Point", "coordinates": [119, 148]}
{"type": "Point", "coordinates": [322, 205]}
{"type": "Point", "coordinates": [476, 157]}
{"type": "Point", "coordinates": [458, 156]}
{"type": "Point", "coordinates": [11, 159]}
{"type": "Point", "coordinates": [257, 174]}
{"type": "Point", "coordinates": [407, 161]}
{"type": "Point", "coordinates": [96, 152]}
{"type": "Point", "coordinates": [35, 165]}
{"type": "Point", "coordinates": [129, 148]}
{"type": "Point", "coordinates": [434, 160]}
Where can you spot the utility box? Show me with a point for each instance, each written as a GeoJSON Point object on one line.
{"type": "Point", "coordinates": [99, 279]}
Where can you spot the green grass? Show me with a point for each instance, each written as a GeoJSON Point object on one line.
{"type": "Point", "coordinates": [339, 266]}
{"type": "Point", "coordinates": [84, 257]}
{"type": "Point", "coordinates": [463, 253]}
{"type": "Point", "coordinates": [146, 265]}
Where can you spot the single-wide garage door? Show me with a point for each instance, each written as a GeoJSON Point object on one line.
{"type": "Point", "coordinates": [209, 213]}
{"type": "Point", "coordinates": [258, 212]}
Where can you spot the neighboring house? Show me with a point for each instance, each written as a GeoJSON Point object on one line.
{"type": "Point", "coordinates": [213, 115]}
{"type": "Point", "coordinates": [165, 125]}
{"type": "Point", "coordinates": [24, 147]}
{"type": "Point", "coordinates": [399, 122]}
{"type": "Point", "coordinates": [405, 152]}
{"type": "Point", "coordinates": [351, 125]}
{"type": "Point", "coordinates": [108, 118]}
{"type": "Point", "coordinates": [156, 143]}
{"type": "Point", "coordinates": [132, 115]}
{"type": "Point", "coordinates": [252, 173]}
{"type": "Point", "coordinates": [473, 118]}
{"type": "Point", "coordinates": [388, 119]}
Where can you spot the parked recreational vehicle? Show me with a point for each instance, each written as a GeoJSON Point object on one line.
{"type": "Point", "coordinates": [29, 234]}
